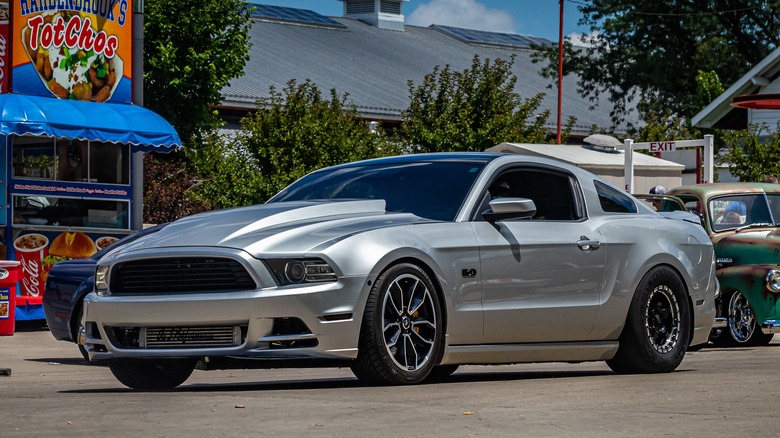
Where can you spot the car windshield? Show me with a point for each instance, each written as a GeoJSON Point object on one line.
{"type": "Point", "coordinates": [735, 211]}
{"type": "Point", "coordinates": [433, 190]}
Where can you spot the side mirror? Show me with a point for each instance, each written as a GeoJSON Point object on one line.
{"type": "Point", "coordinates": [509, 208]}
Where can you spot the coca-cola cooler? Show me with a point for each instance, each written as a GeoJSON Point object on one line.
{"type": "Point", "coordinates": [38, 249]}
{"type": "Point", "coordinates": [9, 274]}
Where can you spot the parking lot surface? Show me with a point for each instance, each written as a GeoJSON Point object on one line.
{"type": "Point", "coordinates": [52, 391]}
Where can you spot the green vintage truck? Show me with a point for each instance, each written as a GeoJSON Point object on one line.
{"type": "Point", "coordinates": [743, 221]}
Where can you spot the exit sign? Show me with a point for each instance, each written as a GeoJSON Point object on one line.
{"type": "Point", "coordinates": [662, 146]}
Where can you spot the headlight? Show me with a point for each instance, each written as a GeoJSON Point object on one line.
{"type": "Point", "coordinates": [717, 289]}
{"type": "Point", "coordinates": [295, 271]}
{"type": "Point", "coordinates": [101, 280]}
{"type": "Point", "coordinates": [773, 280]}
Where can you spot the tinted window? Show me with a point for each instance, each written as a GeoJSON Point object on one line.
{"type": "Point", "coordinates": [552, 192]}
{"type": "Point", "coordinates": [432, 190]}
{"type": "Point", "coordinates": [614, 201]}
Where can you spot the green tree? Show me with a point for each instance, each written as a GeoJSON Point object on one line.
{"type": "Point", "coordinates": [228, 174]}
{"type": "Point", "coordinates": [192, 49]}
{"type": "Point", "coordinates": [294, 132]}
{"type": "Point", "coordinates": [167, 183]}
{"type": "Point", "coordinates": [472, 110]}
{"type": "Point", "coordinates": [708, 88]}
{"type": "Point", "coordinates": [652, 50]}
{"type": "Point", "coordinates": [752, 153]}
{"type": "Point", "coordinates": [665, 126]}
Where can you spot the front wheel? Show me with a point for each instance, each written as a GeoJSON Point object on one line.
{"type": "Point", "coordinates": [657, 329]}
{"type": "Point", "coordinates": [80, 331]}
{"type": "Point", "coordinates": [401, 335]}
{"type": "Point", "coordinates": [742, 326]}
{"type": "Point", "coordinates": [152, 374]}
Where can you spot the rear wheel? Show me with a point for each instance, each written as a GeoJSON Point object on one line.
{"type": "Point", "coordinates": [401, 336]}
{"type": "Point", "coordinates": [657, 329]}
{"type": "Point", "coordinates": [152, 374]}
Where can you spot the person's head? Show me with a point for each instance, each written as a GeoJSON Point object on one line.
{"type": "Point", "coordinates": [771, 179]}
{"type": "Point", "coordinates": [658, 190]}
{"type": "Point", "coordinates": [500, 189]}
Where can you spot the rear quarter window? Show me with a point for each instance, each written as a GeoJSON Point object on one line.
{"type": "Point", "coordinates": [614, 201]}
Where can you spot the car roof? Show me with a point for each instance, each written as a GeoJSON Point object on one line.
{"type": "Point", "coordinates": [463, 157]}
{"type": "Point", "coordinates": [717, 189]}
{"type": "Point", "coordinates": [482, 157]}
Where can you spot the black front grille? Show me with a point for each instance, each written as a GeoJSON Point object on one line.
{"type": "Point", "coordinates": [180, 275]}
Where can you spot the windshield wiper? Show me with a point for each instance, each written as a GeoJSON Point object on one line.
{"type": "Point", "coordinates": [755, 225]}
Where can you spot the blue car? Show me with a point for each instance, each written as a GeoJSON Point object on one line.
{"type": "Point", "coordinates": [68, 283]}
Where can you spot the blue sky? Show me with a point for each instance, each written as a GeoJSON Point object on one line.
{"type": "Point", "coordinates": [527, 17]}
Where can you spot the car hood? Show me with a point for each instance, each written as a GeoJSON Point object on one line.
{"type": "Point", "coordinates": [759, 246]}
{"type": "Point", "coordinates": [283, 227]}
{"type": "Point", "coordinates": [73, 268]}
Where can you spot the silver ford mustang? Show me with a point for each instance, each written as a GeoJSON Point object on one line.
{"type": "Point", "coordinates": [403, 268]}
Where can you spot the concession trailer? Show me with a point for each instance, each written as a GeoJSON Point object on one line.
{"type": "Point", "coordinates": [70, 134]}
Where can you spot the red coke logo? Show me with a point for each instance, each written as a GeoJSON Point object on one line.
{"type": "Point", "coordinates": [31, 249]}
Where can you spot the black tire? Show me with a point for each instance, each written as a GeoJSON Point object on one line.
{"type": "Point", "coordinates": [658, 326]}
{"type": "Point", "coordinates": [401, 334]}
{"type": "Point", "coordinates": [78, 328]}
{"type": "Point", "coordinates": [742, 328]}
{"type": "Point", "coordinates": [83, 351]}
{"type": "Point", "coordinates": [762, 339]}
{"type": "Point", "coordinates": [152, 374]}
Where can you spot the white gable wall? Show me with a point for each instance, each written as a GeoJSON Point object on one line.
{"type": "Point", "coordinates": [762, 116]}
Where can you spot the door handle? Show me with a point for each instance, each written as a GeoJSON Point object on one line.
{"type": "Point", "coordinates": [588, 245]}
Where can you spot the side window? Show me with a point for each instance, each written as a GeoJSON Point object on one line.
{"type": "Point", "coordinates": [774, 206]}
{"type": "Point", "coordinates": [614, 201]}
{"type": "Point", "coordinates": [553, 192]}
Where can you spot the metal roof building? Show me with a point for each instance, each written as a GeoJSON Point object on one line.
{"type": "Point", "coordinates": [371, 54]}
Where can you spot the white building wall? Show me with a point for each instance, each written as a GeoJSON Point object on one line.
{"type": "Point", "coordinates": [762, 116]}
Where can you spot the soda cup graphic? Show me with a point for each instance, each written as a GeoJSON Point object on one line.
{"type": "Point", "coordinates": [31, 249]}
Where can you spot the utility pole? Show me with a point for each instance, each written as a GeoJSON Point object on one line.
{"type": "Point", "coordinates": [560, 71]}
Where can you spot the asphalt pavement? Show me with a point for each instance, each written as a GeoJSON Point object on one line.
{"type": "Point", "coordinates": [52, 391]}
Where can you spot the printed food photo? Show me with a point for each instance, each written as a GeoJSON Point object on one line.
{"type": "Point", "coordinates": [82, 71]}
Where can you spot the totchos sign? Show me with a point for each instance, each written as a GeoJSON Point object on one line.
{"type": "Point", "coordinates": [73, 49]}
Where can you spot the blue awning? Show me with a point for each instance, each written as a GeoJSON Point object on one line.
{"type": "Point", "coordinates": [107, 122]}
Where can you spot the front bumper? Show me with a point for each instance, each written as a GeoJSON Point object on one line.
{"type": "Point", "coordinates": [720, 322]}
{"type": "Point", "coordinates": [320, 321]}
{"type": "Point", "coordinates": [770, 326]}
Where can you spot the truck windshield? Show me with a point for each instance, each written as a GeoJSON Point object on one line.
{"type": "Point", "coordinates": [735, 211]}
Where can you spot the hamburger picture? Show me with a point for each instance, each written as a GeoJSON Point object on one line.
{"type": "Point", "coordinates": [72, 245]}
{"type": "Point", "coordinates": [68, 246]}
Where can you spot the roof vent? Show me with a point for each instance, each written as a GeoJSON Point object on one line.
{"type": "Point", "coordinates": [602, 143]}
{"type": "Point", "coordinates": [384, 14]}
